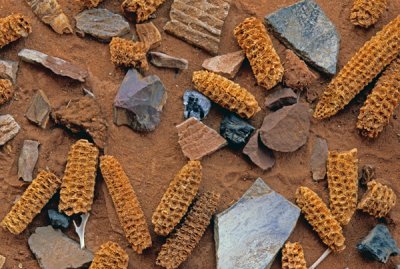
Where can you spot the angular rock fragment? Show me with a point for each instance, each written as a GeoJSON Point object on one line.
{"type": "Point", "coordinates": [378, 200]}
{"type": "Point", "coordinates": [198, 140]}
{"type": "Point", "coordinates": [56, 65]}
{"type": "Point", "coordinates": [27, 159]}
{"type": "Point", "coordinates": [2, 261]}
{"type": "Point", "coordinates": [280, 98]}
{"type": "Point", "coordinates": [226, 64]}
{"type": "Point", "coordinates": [8, 70]}
{"type": "Point", "coordinates": [164, 60]}
{"type": "Point", "coordinates": [139, 101]}
{"type": "Point", "coordinates": [53, 249]}
{"type": "Point", "coordinates": [39, 109]}
{"type": "Point", "coordinates": [12, 28]}
{"type": "Point", "coordinates": [305, 28]}
{"type": "Point", "coordinates": [83, 115]}
{"type": "Point", "coordinates": [128, 53]}
{"type": "Point", "coordinates": [379, 244]}
{"type": "Point", "coordinates": [140, 10]}
{"type": "Point", "coordinates": [196, 105]}
{"type": "Point", "coordinates": [235, 130]}
{"type": "Point", "coordinates": [6, 91]}
{"type": "Point", "coordinates": [8, 128]}
{"type": "Point", "coordinates": [245, 237]}
{"type": "Point", "coordinates": [199, 23]}
{"type": "Point", "coordinates": [149, 34]}
{"type": "Point", "coordinates": [57, 219]}
{"type": "Point", "coordinates": [318, 160]}
{"type": "Point", "coordinates": [110, 256]}
{"type": "Point", "coordinates": [287, 129]}
{"type": "Point", "coordinates": [297, 75]}
{"type": "Point", "coordinates": [101, 24]}
{"type": "Point", "coordinates": [259, 154]}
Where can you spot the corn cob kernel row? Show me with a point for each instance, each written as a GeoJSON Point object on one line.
{"type": "Point", "coordinates": [293, 256]}
{"type": "Point", "coordinates": [110, 256]}
{"type": "Point", "coordinates": [128, 53]}
{"type": "Point", "coordinates": [12, 28]}
{"type": "Point", "coordinates": [378, 200]}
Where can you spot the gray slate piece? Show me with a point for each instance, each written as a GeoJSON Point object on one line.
{"type": "Point", "coordinates": [305, 28]}
{"type": "Point", "coordinates": [251, 232]}
{"type": "Point", "coordinates": [27, 159]}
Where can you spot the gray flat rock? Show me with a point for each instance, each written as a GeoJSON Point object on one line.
{"type": "Point", "coordinates": [8, 128]}
{"type": "Point", "coordinates": [251, 232]}
{"type": "Point", "coordinates": [305, 28]}
{"type": "Point", "coordinates": [39, 110]}
{"type": "Point", "coordinates": [8, 70]}
{"type": "Point", "coordinates": [101, 24]}
{"type": "Point", "coordinates": [27, 159]}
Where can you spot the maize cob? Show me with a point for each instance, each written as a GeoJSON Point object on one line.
{"type": "Point", "coordinates": [256, 43]}
{"type": "Point", "coordinates": [177, 199]}
{"type": "Point", "coordinates": [90, 3]}
{"type": "Point", "coordinates": [12, 28]}
{"type": "Point", "coordinates": [6, 91]}
{"type": "Point", "coordinates": [365, 13]}
{"type": "Point", "coordinates": [35, 197]}
{"type": "Point", "coordinates": [77, 188]}
{"type": "Point", "coordinates": [321, 219]}
{"type": "Point", "coordinates": [293, 256]}
{"type": "Point", "coordinates": [226, 93]}
{"type": "Point", "coordinates": [126, 204]}
{"type": "Point", "coordinates": [378, 200]}
{"type": "Point", "coordinates": [362, 68]}
{"type": "Point", "coordinates": [381, 103]}
{"type": "Point", "coordinates": [110, 256]}
{"type": "Point", "coordinates": [182, 242]}
{"type": "Point", "coordinates": [342, 170]}
{"type": "Point", "coordinates": [128, 53]}
{"type": "Point", "coordinates": [141, 8]}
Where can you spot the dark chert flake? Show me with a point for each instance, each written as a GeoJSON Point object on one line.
{"type": "Point", "coordinates": [196, 105]}
{"type": "Point", "coordinates": [57, 219]}
{"type": "Point", "coordinates": [236, 130]}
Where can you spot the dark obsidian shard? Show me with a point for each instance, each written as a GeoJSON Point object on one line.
{"type": "Point", "coordinates": [196, 105]}
{"type": "Point", "coordinates": [57, 219]}
{"type": "Point", "coordinates": [236, 130]}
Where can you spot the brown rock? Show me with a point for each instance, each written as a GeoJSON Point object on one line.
{"type": "Point", "coordinates": [8, 128]}
{"type": "Point", "coordinates": [318, 159]}
{"type": "Point", "coordinates": [259, 154]}
{"type": "Point", "coordinates": [226, 65]}
{"type": "Point", "coordinates": [287, 129]}
{"type": "Point", "coordinates": [149, 34]}
{"type": "Point", "coordinates": [39, 110]}
{"type": "Point", "coordinates": [297, 74]}
{"type": "Point", "coordinates": [164, 60]}
{"type": "Point", "coordinates": [280, 98]}
{"type": "Point", "coordinates": [198, 140]}
{"type": "Point", "coordinates": [27, 159]}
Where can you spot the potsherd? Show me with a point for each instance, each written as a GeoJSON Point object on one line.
{"type": "Point", "coordinates": [236, 130]}
{"type": "Point", "coordinates": [27, 159]}
{"type": "Point", "coordinates": [9, 128]}
{"type": "Point", "coordinates": [39, 109]}
{"type": "Point", "coordinates": [318, 160]}
{"type": "Point", "coordinates": [280, 98]}
{"type": "Point", "coordinates": [259, 154]}
{"type": "Point", "coordinates": [196, 105]}
{"type": "Point", "coordinates": [226, 64]}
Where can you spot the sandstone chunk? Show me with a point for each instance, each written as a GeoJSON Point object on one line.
{"type": "Point", "coordinates": [27, 159]}
{"type": "Point", "coordinates": [149, 34]}
{"type": "Point", "coordinates": [164, 60]}
{"type": "Point", "coordinates": [318, 159]}
{"type": "Point", "coordinates": [297, 75]}
{"type": "Point", "coordinates": [226, 64]}
{"type": "Point", "coordinates": [259, 154]}
{"type": "Point", "coordinates": [39, 110]}
{"type": "Point", "coordinates": [280, 98]}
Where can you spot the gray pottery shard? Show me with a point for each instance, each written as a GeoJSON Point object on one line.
{"type": "Point", "coordinates": [27, 159]}
{"type": "Point", "coordinates": [251, 232]}
{"type": "Point", "coordinates": [8, 70]}
{"type": "Point", "coordinates": [8, 128]}
{"type": "Point", "coordinates": [306, 29]}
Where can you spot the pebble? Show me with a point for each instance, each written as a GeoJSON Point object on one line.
{"type": "Point", "coordinates": [9, 128]}
{"type": "Point", "coordinates": [236, 130]}
{"type": "Point", "coordinates": [8, 70]}
{"type": "Point", "coordinates": [160, 59]}
{"type": "Point", "coordinates": [297, 75]}
{"type": "Point", "coordinates": [226, 64]}
{"type": "Point", "coordinates": [39, 109]}
{"type": "Point", "coordinates": [259, 154]}
{"type": "Point", "coordinates": [149, 34]}
{"type": "Point", "coordinates": [2, 261]}
{"type": "Point", "coordinates": [318, 160]}
{"type": "Point", "coordinates": [280, 98]}
{"type": "Point", "coordinates": [57, 219]}
{"type": "Point", "coordinates": [27, 159]}
{"type": "Point", "coordinates": [196, 105]}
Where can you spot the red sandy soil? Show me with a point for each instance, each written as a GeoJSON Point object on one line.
{"type": "Point", "coordinates": [151, 160]}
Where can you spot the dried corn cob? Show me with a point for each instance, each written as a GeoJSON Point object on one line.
{"type": "Point", "coordinates": [293, 256]}
{"type": "Point", "coordinates": [381, 103]}
{"type": "Point", "coordinates": [6, 91]}
{"type": "Point", "coordinates": [77, 189]}
{"type": "Point", "coordinates": [365, 13]}
{"type": "Point", "coordinates": [12, 28]}
{"type": "Point", "coordinates": [35, 197]}
{"type": "Point", "coordinates": [342, 170]}
{"type": "Point", "coordinates": [321, 219]}
{"type": "Point", "coordinates": [182, 242]}
{"type": "Point", "coordinates": [90, 3]}
{"type": "Point", "coordinates": [140, 9]}
{"type": "Point", "coordinates": [363, 67]}
{"type": "Point", "coordinates": [378, 200]}
{"type": "Point", "coordinates": [128, 53]}
{"type": "Point", "coordinates": [226, 93]}
{"type": "Point", "coordinates": [256, 43]}
{"type": "Point", "coordinates": [110, 256]}
{"type": "Point", "coordinates": [176, 200]}
{"type": "Point", "coordinates": [126, 204]}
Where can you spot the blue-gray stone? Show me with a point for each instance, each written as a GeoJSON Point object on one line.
{"type": "Point", "coordinates": [251, 232]}
{"type": "Point", "coordinates": [379, 244]}
{"type": "Point", "coordinates": [57, 219]}
{"type": "Point", "coordinates": [196, 105]}
{"type": "Point", "coordinates": [306, 29]}
{"type": "Point", "coordinates": [236, 130]}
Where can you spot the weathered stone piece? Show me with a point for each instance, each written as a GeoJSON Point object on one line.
{"type": "Point", "coordinates": [139, 102]}
{"type": "Point", "coordinates": [12, 28]}
{"type": "Point", "coordinates": [235, 130]}
{"type": "Point", "coordinates": [259, 154]}
{"type": "Point", "coordinates": [54, 250]}
{"type": "Point", "coordinates": [293, 256]}
{"type": "Point", "coordinates": [305, 28]}
{"type": "Point", "coordinates": [8, 70]}
{"type": "Point", "coordinates": [297, 75]}
{"type": "Point", "coordinates": [196, 105]}
{"type": "Point", "coordinates": [198, 140]}
{"type": "Point", "coordinates": [245, 237]}
{"type": "Point", "coordinates": [101, 24]}
{"type": "Point", "coordinates": [128, 53]}
{"type": "Point", "coordinates": [149, 34]}
{"type": "Point", "coordinates": [198, 23]}
{"type": "Point", "coordinates": [164, 60]}
{"type": "Point", "coordinates": [140, 10]}
{"type": "Point", "coordinates": [280, 98]}
{"type": "Point", "coordinates": [57, 219]}
{"type": "Point", "coordinates": [110, 256]}
{"type": "Point", "coordinates": [378, 200]}
{"type": "Point", "coordinates": [318, 160]}
{"type": "Point", "coordinates": [362, 68]}
{"type": "Point", "coordinates": [6, 91]}
{"type": "Point", "coordinates": [226, 64]}
{"type": "Point", "coordinates": [27, 159]}
{"type": "Point", "coordinates": [56, 65]}
{"type": "Point", "coordinates": [39, 109]}
{"type": "Point", "coordinates": [366, 13]}
{"type": "Point", "coordinates": [8, 128]}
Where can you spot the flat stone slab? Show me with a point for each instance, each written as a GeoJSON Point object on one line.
{"type": "Point", "coordinates": [251, 232]}
{"type": "Point", "coordinates": [9, 128]}
{"type": "Point", "coordinates": [27, 159]}
{"type": "Point", "coordinates": [39, 109]}
{"type": "Point", "coordinates": [198, 23]}
{"type": "Point", "coordinates": [226, 64]}
{"type": "Point", "coordinates": [8, 70]}
{"type": "Point", "coordinates": [305, 28]}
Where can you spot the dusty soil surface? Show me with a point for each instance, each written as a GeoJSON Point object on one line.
{"type": "Point", "coordinates": [151, 160]}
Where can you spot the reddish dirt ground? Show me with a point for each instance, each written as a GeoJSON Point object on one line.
{"type": "Point", "coordinates": [151, 160]}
